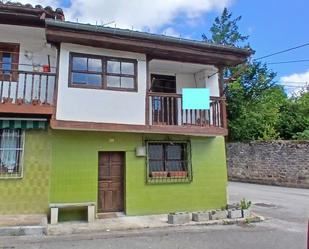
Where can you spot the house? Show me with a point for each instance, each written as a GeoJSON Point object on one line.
{"type": "Point", "coordinates": [94, 114]}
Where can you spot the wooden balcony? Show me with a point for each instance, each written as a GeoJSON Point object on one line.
{"type": "Point", "coordinates": [165, 110]}
{"type": "Point", "coordinates": [27, 92]}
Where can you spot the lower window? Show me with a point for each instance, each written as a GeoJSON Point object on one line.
{"type": "Point", "coordinates": [168, 161]}
{"type": "Point", "coordinates": [11, 152]}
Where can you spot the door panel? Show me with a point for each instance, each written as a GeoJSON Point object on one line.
{"type": "Point", "coordinates": [111, 182]}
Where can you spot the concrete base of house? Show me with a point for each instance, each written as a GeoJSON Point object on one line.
{"type": "Point", "coordinates": [21, 225]}
{"type": "Point", "coordinates": [113, 224]}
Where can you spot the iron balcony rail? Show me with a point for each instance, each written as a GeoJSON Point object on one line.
{"type": "Point", "coordinates": [27, 87]}
{"type": "Point", "coordinates": [166, 109]}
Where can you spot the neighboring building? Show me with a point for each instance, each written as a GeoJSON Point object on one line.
{"type": "Point", "coordinates": [93, 114]}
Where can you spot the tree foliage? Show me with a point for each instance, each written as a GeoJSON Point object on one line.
{"type": "Point", "coordinates": [258, 108]}
{"type": "Point", "coordinates": [225, 30]}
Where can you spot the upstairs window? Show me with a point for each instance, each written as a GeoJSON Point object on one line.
{"type": "Point", "coordinates": [100, 72]}
{"type": "Point", "coordinates": [11, 151]}
{"type": "Point", "coordinates": [9, 57]}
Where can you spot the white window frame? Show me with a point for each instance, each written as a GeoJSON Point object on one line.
{"type": "Point", "coordinates": [20, 173]}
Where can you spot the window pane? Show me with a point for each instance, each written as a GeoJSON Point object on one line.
{"type": "Point", "coordinates": [10, 150]}
{"type": "Point", "coordinates": [87, 79]}
{"type": "Point", "coordinates": [155, 151]}
{"type": "Point", "coordinates": [80, 63]}
{"type": "Point", "coordinates": [94, 79]}
{"type": "Point", "coordinates": [127, 82]}
{"type": "Point", "coordinates": [156, 166]}
{"type": "Point", "coordinates": [79, 78]}
{"type": "Point", "coordinates": [113, 67]}
{"type": "Point", "coordinates": [94, 65]}
{"type": "Point", "coordinates": [113, 81]}
{"type": "Point", "coordinates": [175, 166]}
{"type": "Point", "coordinates": [7, 62]}
{"type": "Point", "coordinates": [174, 152]}
{"type": "Point", "coordinates": [127, 68]}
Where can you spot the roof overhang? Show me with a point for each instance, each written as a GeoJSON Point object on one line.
{"type": "Point", "coordinates": [27, 15]}
{"type": "Point", "coordinates": [155, 46]}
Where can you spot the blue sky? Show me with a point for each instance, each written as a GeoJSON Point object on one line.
{"type": "Point", "coordinates": [272, 25]}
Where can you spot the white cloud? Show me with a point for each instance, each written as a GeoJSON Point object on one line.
{"type": "Point", "coordinates": [140, 14]}
{"type": "Point", "coordinates": [171, 32]}
{"type": "Point", "coordinates": [296, 78]}
{"type": "Point", "coordinates": [296, 82]}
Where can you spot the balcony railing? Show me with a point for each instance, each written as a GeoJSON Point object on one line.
{"type": "Point", "coordinates": [27, 87]}
{"type": "Point", "coordinates": [166, 109]}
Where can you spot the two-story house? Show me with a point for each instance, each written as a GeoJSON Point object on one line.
{"type": "Point", "coordinates": [94, 114]}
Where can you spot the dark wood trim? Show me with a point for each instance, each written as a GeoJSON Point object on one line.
{"type": "Point", "coordinates": [13, 49]}
{"type": "Point", "coordinates": [104, 74]}
{"type": "Point", "coordinates": [208, 131]}
{"type": "Point", "coordinates": [155, 49]}
{"type": "Point", "coordinates": [55, 97]}
{"type": "Point", "coordinates": [223, 103]}
{"type": "Point", "coordinates": [148, 85]}
{"type": "Point", "coordinates": [26, 109]}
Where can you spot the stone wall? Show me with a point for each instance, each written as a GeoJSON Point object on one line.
{"type": "Point", "coordinates": [283, 163]}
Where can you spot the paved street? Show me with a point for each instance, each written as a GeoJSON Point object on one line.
{"type": "Point", "coordinates": [286, 210]}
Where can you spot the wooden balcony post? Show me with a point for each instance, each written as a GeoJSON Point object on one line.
{"type": "Point", "coordinates": [223, 113]}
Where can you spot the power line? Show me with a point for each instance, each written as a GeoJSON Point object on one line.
{"type": "Point", "coordinates": [286, 62]}
{"type": "Point", "coordinates": [283, 51]}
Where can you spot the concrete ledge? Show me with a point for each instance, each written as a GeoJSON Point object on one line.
{"type": "Point", "coordinates": [23, 231]}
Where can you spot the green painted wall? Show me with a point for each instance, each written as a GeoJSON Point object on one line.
{"type": "Point", "coordinates": [75, 169]}
{"type": "Point", "coordinates": [29, 195]}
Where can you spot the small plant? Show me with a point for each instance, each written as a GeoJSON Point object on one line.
{"type": "Point", "coordinates": [244, 204]}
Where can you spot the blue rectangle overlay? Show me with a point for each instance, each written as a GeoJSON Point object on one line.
{"type": "Point", "coordinates": [195, 98]}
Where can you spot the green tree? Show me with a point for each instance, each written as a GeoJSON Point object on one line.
{"type": "Point", "coordinates": [253, 99]}
{"type": "Point", "coordinates": [294, 117]}
{"type": "Point", "coordinates": [224, 31]}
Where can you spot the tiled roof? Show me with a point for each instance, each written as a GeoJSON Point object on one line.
{"type": "Point", "coordinates": [42, 12]}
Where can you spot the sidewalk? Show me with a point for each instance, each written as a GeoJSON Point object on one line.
{"type": "Point", "coordinates": [21, 225]}
{"type": "Point", "coordinates": [132, 223]}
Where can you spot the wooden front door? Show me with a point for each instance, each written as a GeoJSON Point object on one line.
{"type": "Point", "coordinates": [111, 182]}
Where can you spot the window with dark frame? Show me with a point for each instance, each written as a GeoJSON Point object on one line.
{"type": "Point", "coordinates": [168, 161]}
{"type": "Point", "coordinates": [101, 72]}
{"type": "Point", "coordinates": [11, 150]}
{"type": "Point", "coordinates": [9, 59]}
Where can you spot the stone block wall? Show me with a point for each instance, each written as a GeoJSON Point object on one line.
{"type": "Point", "coordinates": [282, 163]}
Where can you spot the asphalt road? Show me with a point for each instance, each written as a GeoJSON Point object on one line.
{"type": "Point", "coordinates": [286, 210]}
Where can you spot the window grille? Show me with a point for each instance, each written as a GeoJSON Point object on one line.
{"type": "Point", "coordinates": [168, 162]}
{"type": "Point", "coordinates": [11, 153]}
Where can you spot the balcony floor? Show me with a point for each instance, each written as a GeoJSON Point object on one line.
{"type": "Point", "coordinates": [41, 109]}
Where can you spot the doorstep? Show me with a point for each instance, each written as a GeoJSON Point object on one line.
{"type": "Point", "coordinates": [135, 222]}
{"type": "Point", "coordinates": [23, 225]}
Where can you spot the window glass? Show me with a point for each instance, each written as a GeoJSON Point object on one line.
{"type": "Point", "coordinates": [11, 148]}
{"type": "Point", "coordinates": [102, 72]}
{"type": "Point", "coordinates": [113, 67]}
{"type": "Point", "coordinates": [79, 63]}
{"type": "Point", "coordinates": [155, 151]}
{"type": "Point", "coordinates": [127, 68]}
{"type": "Point", "coordinates": [174, 152]}
{"type": "Point", "coordinates": [156, 166]}
{"type": "Point", "coordinates": [87, 79]}
{"type": "Point", "coordinates": [113, 81]}
{"type": "Point", "coordinates": [94, 65]}
{"type": "Point", "coordinates": [168, 161]}
{"type": "Point", "coordinates": [127, 82]}
{"type": "Point", "coordinates": [6, 62]}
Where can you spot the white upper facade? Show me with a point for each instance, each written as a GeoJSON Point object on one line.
{"type": "Point", "coordinates": [74, 102]}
